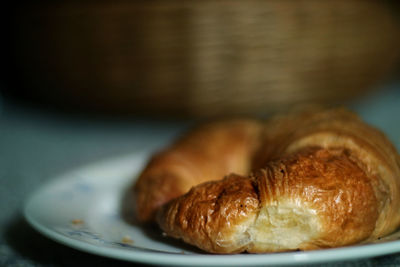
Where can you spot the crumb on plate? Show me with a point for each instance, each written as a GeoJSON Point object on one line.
{"type": "Point", "coordinates": [127, 240]}
{"type": "Point", "coordinates": [77, 222]}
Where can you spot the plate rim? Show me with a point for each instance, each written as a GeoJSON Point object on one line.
{"type": "Point", "coordinates": [135, 254]}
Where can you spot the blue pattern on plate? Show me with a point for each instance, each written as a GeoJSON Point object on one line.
{"type": "Point", "coordinates": [85, 234]}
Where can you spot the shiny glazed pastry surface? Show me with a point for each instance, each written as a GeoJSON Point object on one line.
{"type": "Point", "coordinates": [311, 180]}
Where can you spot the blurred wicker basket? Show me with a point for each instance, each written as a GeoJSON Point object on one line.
{"type": "Point", "coordinates": [204, 58]}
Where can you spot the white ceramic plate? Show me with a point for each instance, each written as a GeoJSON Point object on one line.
{"type": "Point", "coordinates": [83, 209]}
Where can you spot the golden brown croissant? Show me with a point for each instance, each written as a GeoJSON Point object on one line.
{"type": "Point", "coordinates": [322, 179]}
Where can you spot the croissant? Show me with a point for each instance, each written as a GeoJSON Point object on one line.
{"type": "Point", "coordinates": [318, 180]}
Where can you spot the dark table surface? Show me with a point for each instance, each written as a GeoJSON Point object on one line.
{"type": "Point", "coordinates": [37, 145]}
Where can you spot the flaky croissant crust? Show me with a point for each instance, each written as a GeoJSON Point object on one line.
{"type": "Point", "coordinates": [320, 179]}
